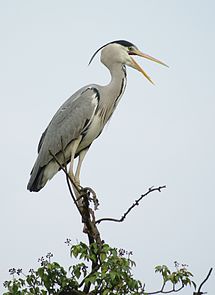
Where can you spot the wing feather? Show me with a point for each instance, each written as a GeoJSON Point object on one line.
{"type": "Point", "coordinates": [68, 123]}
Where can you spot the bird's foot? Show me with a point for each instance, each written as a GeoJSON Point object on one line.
{"type": "Point", "coordinates": [75, 182]}
{"type": "Point", "coordinates": [91, 195]}
{"type": "Point", "coordinates": [81, 191]}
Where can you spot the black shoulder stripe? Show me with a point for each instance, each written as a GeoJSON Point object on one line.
{"type": "Point", "coordinates": [120, 92]}
{"type": "Point", "coordinates": [93, 89]}
{"type": "Point", "coordinates": [97, 92]}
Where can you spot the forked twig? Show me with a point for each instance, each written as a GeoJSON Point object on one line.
{"type": "Point", "coordinates": [136, 203]}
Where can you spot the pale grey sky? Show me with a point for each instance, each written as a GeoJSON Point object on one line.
{"type": "Point", "coordinates": [161, 134]}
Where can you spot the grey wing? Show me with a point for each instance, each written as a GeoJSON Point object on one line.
{"type": "Point", "coordinates": [68, 123]}
{"type": "Point", "coordinates": [41, 140]}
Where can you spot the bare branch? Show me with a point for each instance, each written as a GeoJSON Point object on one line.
{"type": "Point", "coordinates": [81, 198]}
{"type": "Point", "coordinates": [161, 291]}
{"type": "Point", "coordinates": [136, 203]}
{"type": "Point", "coordinates": [199, 292]}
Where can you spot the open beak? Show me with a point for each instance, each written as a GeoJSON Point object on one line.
{"type": "Point", "coordinates": [137, 67]}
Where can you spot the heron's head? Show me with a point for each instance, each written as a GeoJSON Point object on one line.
{"type": "Point", "coordinates": [122, 52]}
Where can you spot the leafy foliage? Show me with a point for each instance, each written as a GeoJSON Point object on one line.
{"type": "Point", "coordinates": [180, 277]}
{"type": "Point", "coordinates": [101, 270]}
{"type": "Point", "coordinates": [112, 273]}
{"type": "Point", "coordinates": [49, 278]}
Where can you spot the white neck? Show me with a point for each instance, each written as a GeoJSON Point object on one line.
{"type": "Point", "coordinates": [113, 92]}
{"type": "Point", "coordinates": [115, 89]}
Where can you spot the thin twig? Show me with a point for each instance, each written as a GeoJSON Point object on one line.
{"type": "Point", "coordinates": [68, 179]}
{"type": "Point", "coordinates": [136, 203]}
{"type": "Point", "coordinates": [199, 289]}
{"type": "Point", "coordinates": [161, 291]}
{"type": "Point", "coordinates": [65, 171]}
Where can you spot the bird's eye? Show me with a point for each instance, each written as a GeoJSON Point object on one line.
{"type": "Point", "coordinates": [131, 50]}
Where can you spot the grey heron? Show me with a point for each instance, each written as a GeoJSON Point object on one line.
{"type": "Point", "coordinates": [81, 118]}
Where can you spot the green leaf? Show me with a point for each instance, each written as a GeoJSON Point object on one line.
{"type": "Point", "coordinates": [77, 273]}
{"type": "Point", "coordinates": [93, 257]}
{"type": "Point", "coordinates": [113, 275]}
{"type": "Point", "coordinates": [106, 248]}
{"type": "Point", "coordinates": [91, 278]}
{"type": "Point", "coordinates": [103, 256]}
{"type": "Point", "coordinates": [105, 292]}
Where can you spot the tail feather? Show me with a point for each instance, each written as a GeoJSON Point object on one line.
{"type": "Point", "coordinates": [36, 182]}
{"type": "Point", "coordinates": [40, 176]}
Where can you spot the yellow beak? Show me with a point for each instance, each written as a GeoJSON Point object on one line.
{"type": "Point", "coordinates": [137, 67]}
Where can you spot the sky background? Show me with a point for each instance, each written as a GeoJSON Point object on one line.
{"type": "Point", "coordinates": [159, 135]}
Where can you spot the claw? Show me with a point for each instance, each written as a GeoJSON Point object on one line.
{"type": "Point", "coordinates": [93, 198]}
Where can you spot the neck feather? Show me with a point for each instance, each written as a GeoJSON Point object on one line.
{"type": "Point", "coordinates": [118, 82]}
{"type": "Point", "coordinates": [113, 91]}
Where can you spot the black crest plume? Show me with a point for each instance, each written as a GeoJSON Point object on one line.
{"type": "Point", "coordinates": [121, 42]}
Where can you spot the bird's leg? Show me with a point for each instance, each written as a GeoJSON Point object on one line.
{"type": "Point", "coordinates": [80, 160]}
{"type": "Point", "coordinates": [75, 144]}
{"type": "Point", "coordinates": [89, 190]}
